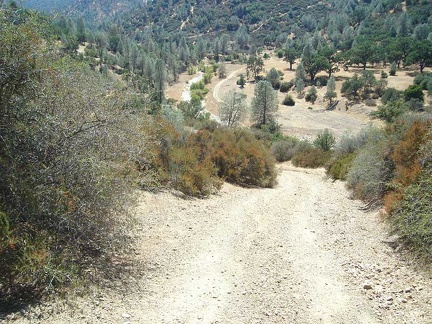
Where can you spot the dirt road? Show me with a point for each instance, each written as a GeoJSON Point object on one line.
{"type": "Point", "coordinates": [299, 253]}
{"type": "Point", "coordinates": [216, 89]}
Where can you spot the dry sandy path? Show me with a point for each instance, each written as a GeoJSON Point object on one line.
{"type": "Point", "coordinates": [219, 84]}
{"type": "Point", "coordinates": [299, 253]}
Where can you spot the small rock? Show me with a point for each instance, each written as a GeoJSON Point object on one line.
{"type": "Point", "coordinates": [367, 286]}
{"type": "Point", "coordinates": [403, 300]}
{"type": "Point", "coordinates": [126, 315]}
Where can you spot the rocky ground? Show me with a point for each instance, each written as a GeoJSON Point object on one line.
{"type": "Point", "coordinates": [303, 252]}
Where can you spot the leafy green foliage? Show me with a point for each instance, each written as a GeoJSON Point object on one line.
{"type": "Point", "coordinates": [414, 91]}
{"type": "Point", "coordinates": [274, 78]}
{"type": "Point", "coordinates": [286, 86]}
{"type": "Point", "coordinates": [288, 101]}
{"type": "Point", "coordinates": [412, 216]}
{"type": "Point", "coordinates": [339, 166]}
{"type": "Point", "coordinates": [391, 94]}
{"type": "Point", "coordinates": [264, 104]}
{"type": "Point", "coordinates": [390, 111]}
{"type": "Point", "coordinates": [312, 95]}
{"type": "Point", "coordinates": [325, 140]}
{"type": "Point", "coordinates": [351, 143]}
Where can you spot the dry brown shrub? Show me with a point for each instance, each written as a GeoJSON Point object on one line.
{"type": "Point", "coordinates": [407, 162]}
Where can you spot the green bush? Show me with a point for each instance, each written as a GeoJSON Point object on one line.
{"type": "Point", "coordinates": [339, 166]}
{"type": "Point", "coordinates": [391, 94]}
{"type": "Point", "coordinates": [372, 168]}
{"type": "Point", "coordinates": [325, 140]}
{"type": "Point", "coordinates": [321, 81]}
{"type": "Point", "coordinates": [312, 95]}
{"type": "Point", "coordinates": [284, 149]}
{"type": "Point", "coordinates": [390, 111]}
{"type": "Point", "coordinates": [414, 91]}
{"type": "Point", "coordinates": [393, 69]}
{"type": "Point", "coordinates": [288, 101]}
{"type": "Point", "coordinates": [65, 186]}
{"type": "Point", "coordinates": [412, 219]}
{"type": "Point", "coordinates": [311, 157]}
{"type": "Point", "coordinates": [423, 79]}
{"type": "Point", "coordinates": [286, 86]}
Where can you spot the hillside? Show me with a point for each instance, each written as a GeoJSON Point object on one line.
{"type": "Point", "coordinates": [236, 102]}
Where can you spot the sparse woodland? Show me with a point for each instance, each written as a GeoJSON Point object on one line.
{"type": "Point", "coordinates": [85, 120]}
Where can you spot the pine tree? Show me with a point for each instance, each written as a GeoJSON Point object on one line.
{"type": "Point", "coordinates": [264, 104]}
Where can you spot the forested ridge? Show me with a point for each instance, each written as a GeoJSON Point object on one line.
{"type": "Point", "coordinates": [85, 119]}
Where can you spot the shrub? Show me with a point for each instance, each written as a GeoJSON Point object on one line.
{"type": "Point", "coordinates": [351, 143]}
{"type": "Point", "coordinates": [391, 94]}
{"type": "Point", "coordinates": [412, 216]}
{"type": "Point", "coordinates": [393, 69]}
{"type": "Point", "coordinates": [390, 111]}
{"type": "Point", "coordinates": [321, 81]}
{"type": "Point", "coordinates": [192, 109]}
{"type": "Point", "coordinates": [191, 174]}
{"type": "Point", "coordinates": [325, 140]}
{"type": "Point", "coordinates": [352, 86]}
{"type": "Point", "coordinates": [284, 149]}
{"type": "Point", "coordinates": [415, 105]}
{"type": "Point", "coordinates": [405, 156]}
{"type": "Point", "coordinates": [311, 95]}
{"type": "Point", "coordinates": [311, 157]}
{"type": "Point", "coordinates": [379, 88]}
{"type": "Point", "coordinates": [280, 53]}
{"type": "Point", "coordinates": [197, 85]}
{"type": "Point", "coordinates": [339, 166]}
{"type": "Point", "coordinates": [242, 159]}
{"type": "Point", "coordinates": [65, 186]}
{"type": "Point", "coordinates": [370, 102]}
{"type": "Point", "coordinates": [197, 166]}
{"type": "Point", "coordinates": [412, 213]}
{"type": "Point", "coordinates": [288, 101]}
{"type": "Point", "coordinates": [286, 86]}
{"type": "Point", "coordinates": [372, 168]}
{"type": "Point", "coordinates": [423, 80]}
{"type": "Point", "coordinates": [414, 91]}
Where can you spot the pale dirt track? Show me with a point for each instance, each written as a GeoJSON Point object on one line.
{"type": "Point", "coordinates": [299, 253]}
{"type": "Point", "coordinates": [219, 84]}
